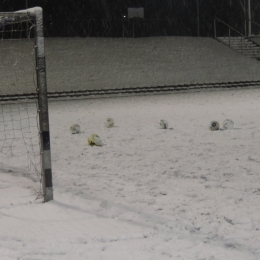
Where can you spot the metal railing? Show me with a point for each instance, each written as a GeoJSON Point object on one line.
{"type": "Point", "coordinates": [255, 23]}
{"type": "Point", "coordinates": [230, 29]}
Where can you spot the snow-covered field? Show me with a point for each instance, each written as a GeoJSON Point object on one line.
{"type": "Point", "coordinates": [105, 63]}
{"type": "Point", "coordinates": [184, 193]}
{"type": "Point", "coordinates": [102, 63]}
{"type": "Point", "coordinates": [148, 193]}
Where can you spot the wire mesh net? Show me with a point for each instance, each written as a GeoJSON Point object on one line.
{"type": "Point", "coordinates": [19, 129]}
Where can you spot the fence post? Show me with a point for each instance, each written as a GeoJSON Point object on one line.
{"type": "Point", "coordinates": [215, 29]}
{"type": "Point", "coordinates": [229, 36]}
{"type": "Point", "coordinates": [242, 45]}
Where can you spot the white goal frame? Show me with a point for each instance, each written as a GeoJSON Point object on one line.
{"type": "Point", "coordinates": [35, 15]}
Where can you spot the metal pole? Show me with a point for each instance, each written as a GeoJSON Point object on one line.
{"type": "Point", "coordinates": [249, 16]}
{"type": "Point", "coordinates": [43, 107]}
{"type": "Point", "coordinates": [26, 7]}
{"type": "Point", "coordinates": [242, 44]}
{"type": "Point", "coordinates": [229, 36]}
{"type": "Point", "coordinates": [245, 17]}
{"type": "Point", "coordinates": [198, 19]}
{"type": "Point", "coordinates": [123, 28]}
{"type": "Point", "coordinates": [215, 29]}
{"type": "Point", "coordinates": [133, 27]}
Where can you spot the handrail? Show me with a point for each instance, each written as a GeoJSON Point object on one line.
{"type": "Point", "coordinates": [244, 48]}
{"type": "Point", "coordinates": [253, 22]}
{"type": "Point", "coordinates": [228, 27]}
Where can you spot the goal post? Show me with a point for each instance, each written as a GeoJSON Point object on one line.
{"type": "Point", "coordinates": [33, 17]}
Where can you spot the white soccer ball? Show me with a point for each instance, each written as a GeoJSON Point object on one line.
{"type": "Point", "coordinates": [94, 140]}
{"type": "Point", "coordinates": [109, 122]}
{"type": "Point", "coordinates": [75, 129]}
{"type": "Point", "coordinates": [163, 124]}
{"type": "Point", "coordinates": [228, 124]}
{"type": "Point", "coordinates": [214, 126]}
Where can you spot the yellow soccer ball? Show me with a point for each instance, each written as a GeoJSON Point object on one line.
{"type": "Point", "coordinates": [94, 140]}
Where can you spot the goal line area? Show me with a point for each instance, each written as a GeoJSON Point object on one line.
{"type": "Point", "coordinates": [24, 126]}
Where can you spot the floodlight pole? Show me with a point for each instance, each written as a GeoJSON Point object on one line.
{"type": "Point", "coordinates": [198, 18]}
{"type": "Point", "coordinates": [249, 16]}
{"type": "Point", "coordinates": [43, 107]}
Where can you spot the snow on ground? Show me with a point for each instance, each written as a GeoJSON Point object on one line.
{"type": "Point", "coordinates": [148, 193]}
{"type": "Point", "coordinates": [102, 63]}
{"type": "Point", "coordinates": [105, 63]}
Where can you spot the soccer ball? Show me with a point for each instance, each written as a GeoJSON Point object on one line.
{"type": "Point", "coordinates": [228, 124]}
{"type": "Point", "coordinates": [94, 140]}
{"type": "Point", "coordinates": [163, 124]}
{"type": "Point", "coordinates": [214, 125]}
{"type": "Point", "coordinates": [109, 122]}
{"type": "Point", "coordinates": [75, 129]}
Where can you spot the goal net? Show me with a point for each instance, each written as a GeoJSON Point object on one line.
{"type": "Point", "coordinates": [24, 122]}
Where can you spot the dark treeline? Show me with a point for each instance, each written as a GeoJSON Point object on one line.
{"type": "Point", "coordinates": [105, 18]}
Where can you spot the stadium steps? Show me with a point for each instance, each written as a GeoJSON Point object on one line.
{"type": "Point", "coordinates": [242, 45]}
{"type": "Point", "coordinates": [134, 91]}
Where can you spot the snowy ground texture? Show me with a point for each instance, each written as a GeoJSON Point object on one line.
{"type": "Point", "coordinates": [184, 193]}
{"type": "Point", "coordinates": [148, 193]}
{"type": "Point", "coordinates": [105, 63]}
